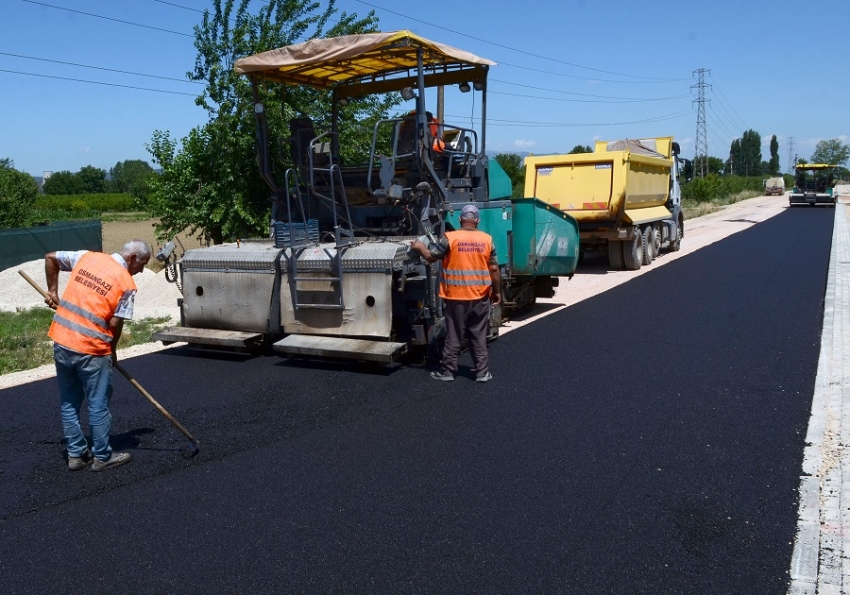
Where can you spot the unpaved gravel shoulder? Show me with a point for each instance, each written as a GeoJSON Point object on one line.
{"type": "Point", "coordinates": [157, 297]}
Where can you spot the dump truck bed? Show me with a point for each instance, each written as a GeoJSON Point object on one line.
{"type": "Point", "coordinates": [629, 184]}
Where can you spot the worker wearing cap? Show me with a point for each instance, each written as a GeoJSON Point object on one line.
{"type": "Point", "coordinates": [85, 330]}
{"type": "Point", "coordinates": [470, 282]}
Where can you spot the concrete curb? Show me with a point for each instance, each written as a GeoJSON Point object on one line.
{"type": "Point", "coordinates": [820, 562]}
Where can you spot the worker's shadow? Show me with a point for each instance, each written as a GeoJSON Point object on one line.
{"type": "Point", "coordinates": [130, 440]}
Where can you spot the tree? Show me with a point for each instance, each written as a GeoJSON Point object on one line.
{"type": "Point", "coordinates": [6, 163]}
{"type": "Point", "coordinates": [713, 165]}
{"type": "Point", "coordinates": [832, 151]}
{"type": "Point", "coordinates": [773, 165]}
{"type": "Point", "coordinates": [580, 149]}
{"type": "Point", "coordinates": [92, 179]}
{"type": "Point", "coordinates": [745, 155]}
{"type": "Point", "coordinates": [210, 182]}
{"type": "Point", "coordinates": [18, 191]}
{"type": "Point", "coordinates": [63, 182]}
{"type": "Point", "coordinates": [512, 164]}
{"type": "Point", "coordinates": [133, 177]}
{"type": "Point", "coordinates": [126, 174]}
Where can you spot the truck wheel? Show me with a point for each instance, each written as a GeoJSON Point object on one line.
{"type": "Point", "coordinates": [676, 244]}
{"type": "Point", "coordinates": [648, 244]}
{"type": "Point", "coordinates": [633, 252]}
{"type": "Point", "coordinates": [615, 255]}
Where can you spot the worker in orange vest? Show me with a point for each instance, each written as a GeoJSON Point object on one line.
{"type": "Point", "coordinates": [469, 284]}
{"type": "Point", "coordinates": [406, 135]}
{"type": "Point", "coordinates": [88, 322]}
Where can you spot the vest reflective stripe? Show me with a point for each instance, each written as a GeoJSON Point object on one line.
{"type": "Point", "coordinates": [484, 273]}
{"type": "Point", "coordinates": [466, 282]}
{"type": "Point", "coordinates": [466, 273]}
{"type": "Point", "coordinates": [84, 313]}
{"type": "Point", "coordinates": [78, 328]}
{"type": "Point", "coordinates": [94, 290]}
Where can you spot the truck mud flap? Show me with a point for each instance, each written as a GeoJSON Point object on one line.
{"type": "Point", "coordinates": [338, 347]}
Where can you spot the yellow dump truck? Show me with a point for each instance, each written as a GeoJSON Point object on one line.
{"type": "Point", "coordinates": [625, 196]}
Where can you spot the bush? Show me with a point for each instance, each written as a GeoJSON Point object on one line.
{"type": "Point", "coordinates": [715, 187]}
{"type": "Point", "coordinates": [75, 203]}
{"type": "Point", "coordinates": [18, 192]}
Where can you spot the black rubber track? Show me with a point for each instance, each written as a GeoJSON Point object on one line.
{"type": "Point", "coordinates": [648, 440]}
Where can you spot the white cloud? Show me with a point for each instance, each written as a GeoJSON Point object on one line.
{"type": "Point", "coordinates": [524, 144]}
{"type": "Point", "coordinates": [85, 150]}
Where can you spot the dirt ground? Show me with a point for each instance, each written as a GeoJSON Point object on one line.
{"type": "Point", "coordinates": [116, 233]}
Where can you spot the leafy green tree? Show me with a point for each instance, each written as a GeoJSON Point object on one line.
{"type": "Point", "coordinates": [126, 174]}
{"type": "Point", "coordinates": [210, 182]}
{"type": "Point", "coordinates": [713, 165]}
{"type": "Point", "coordinates": [773, 165]}
{"type": "Point", "coordinates": [832, 151]}
{"type": "Point", "coordinates": [63, 182]}
{"type": "Point", "coordinates": [18, 191]}
{"type": "Point", "coordinates": [133, 177]}
{"type": "Point", "coordinates": [580, 149]}
{"type": "Point", "coordinates": [745, 154]}
{"type": "Point", "coordinates": [6, 163]}
{"type": "Point", "coordinates": [93, 179]}
{"type": "Point", "coordinates": [512, 164]}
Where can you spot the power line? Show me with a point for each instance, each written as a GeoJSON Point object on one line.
{"type": "Point", "coordinates": [65, 78]}
{"type": "Point", "coordinates": [502, 122]}
{"type": "Point", "coordinates": [619, 101]}
{"type": "Point", "coordinates": [616, 99]}
{"type": "Point", "coordinates": [533, 55]}
{"type": "Point", "coordinates": [741, 120]}
{"type": "Point", "coordinates": [590, 78]}
{"type": "Point", "coordinates": [166, 78]}
{"type": "Point", "coordinates": [97, 16]}
{"type": "Point", "coordinates": [180, 6]}
{"type": "Point", "coordinates": [625, 99]}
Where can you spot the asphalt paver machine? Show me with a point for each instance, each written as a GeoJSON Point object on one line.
{"type": "Point", "coordinates": [336, 277]}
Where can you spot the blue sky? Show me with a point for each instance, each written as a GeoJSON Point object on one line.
{"type": "Point", "coordinates": [569, 72]}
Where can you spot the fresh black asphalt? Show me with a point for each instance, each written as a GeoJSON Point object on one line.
{"type": "Point", "coordinates": [648, 440]}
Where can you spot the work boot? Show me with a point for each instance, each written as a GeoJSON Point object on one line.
{"type": "Point", "coordinates": [80, 462]}
{"type": "Point", "coordinates": [117, 459]}
{"type": "Point", "coordinates": [442, 375]}
{"type": "Point", "coordinates": [485, 377]}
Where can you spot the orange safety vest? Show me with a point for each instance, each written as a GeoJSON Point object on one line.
{"type": "Point", "coordinates": [438, 145]}
{"type": "Point", "coordinates": [434, 128]}
{"type": "Point", "coordinates": [81, 322]}
{"type": "Point", "coordinates": [466, 272]}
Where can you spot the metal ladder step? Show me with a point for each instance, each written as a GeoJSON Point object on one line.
{"type": "Point", "coordinates": [317, 279]}
{"type": "Point", "coordinates": [321, 306]}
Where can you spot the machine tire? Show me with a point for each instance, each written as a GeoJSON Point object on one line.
{"type": "Point", "coordinates": [633, 252]}
{"type": "Point", "coordinates": [615, 255]}
{"type": "Point", "coordinates": [676, 245]}
{"type": "Point", "coordinates": [648, 244]}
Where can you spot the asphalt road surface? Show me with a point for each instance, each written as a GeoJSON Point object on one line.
{"type": "Point", "coordinates": [647, 440]}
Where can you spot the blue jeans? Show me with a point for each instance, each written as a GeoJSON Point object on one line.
{"type": "Point", "coordinates": [81, 377]}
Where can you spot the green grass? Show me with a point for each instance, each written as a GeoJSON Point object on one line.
{"type": "Point", "coordinates": [24, 343]}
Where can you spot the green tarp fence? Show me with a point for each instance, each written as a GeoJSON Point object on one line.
{"type": "Point", "coordinates": [31, 243]}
